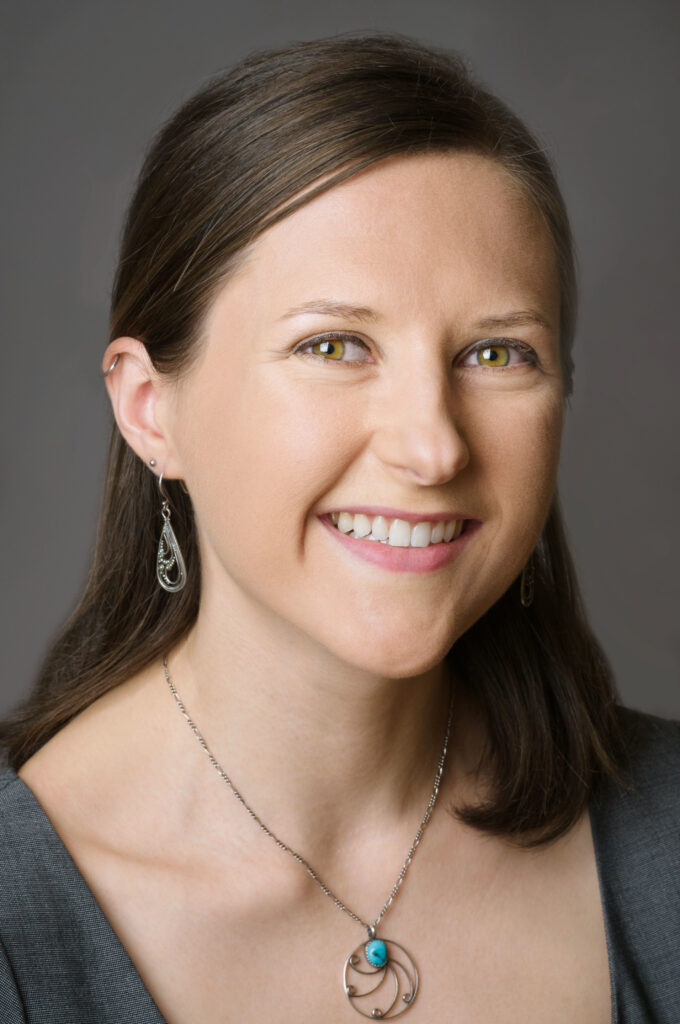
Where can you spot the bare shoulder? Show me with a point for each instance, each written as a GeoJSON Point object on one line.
{"type": "Point", "coordinates": [92, 767]}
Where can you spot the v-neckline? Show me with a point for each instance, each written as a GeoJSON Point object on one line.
{"type": "Point", "coordinates": [114, 940]}
{"type": "Point", "coordinates": [53, 837]}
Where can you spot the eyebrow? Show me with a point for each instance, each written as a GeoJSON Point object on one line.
{"type": "Point", "coordinates": [518, 318]}
{"type": "Point", "coordinates": [332, 307]}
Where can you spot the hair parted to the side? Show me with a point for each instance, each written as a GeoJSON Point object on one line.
{"type": "Point", "coordinates": [232, 161]}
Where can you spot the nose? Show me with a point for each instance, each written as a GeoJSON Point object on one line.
{"type": "Point", "coordinates": [417, 432]}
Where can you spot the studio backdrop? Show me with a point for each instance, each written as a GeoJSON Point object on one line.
{"type": "Point", "coordinates": [86, 86]}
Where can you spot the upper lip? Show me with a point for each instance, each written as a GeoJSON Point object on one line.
{"type": "Point", "coordinates": [397, 513]}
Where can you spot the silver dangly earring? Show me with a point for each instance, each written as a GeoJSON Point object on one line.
{"type": "Point", "coordinates": [526, 588]}
{"type": "Point", "coordinates": [169, 554]}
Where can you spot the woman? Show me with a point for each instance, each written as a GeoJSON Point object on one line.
{"type": "Point", "coordinates": [339, 365]}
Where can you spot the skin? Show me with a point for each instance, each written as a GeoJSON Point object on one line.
{"type": "Point", "coordinates": [310, 672]}
{"type": "Point", "coordinates": [265, 439]}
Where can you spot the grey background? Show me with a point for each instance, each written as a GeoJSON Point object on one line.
{"type": "Point", "coordinates": [84, 87]}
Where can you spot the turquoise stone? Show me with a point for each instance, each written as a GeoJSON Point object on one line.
{"type": "Point", "coordinates": [376, 952]}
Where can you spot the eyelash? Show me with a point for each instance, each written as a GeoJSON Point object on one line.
{"type": "Point", "coordinates": [519, 346]}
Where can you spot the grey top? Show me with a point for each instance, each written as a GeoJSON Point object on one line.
{"type": "Point", "coordinates": [61, 961]}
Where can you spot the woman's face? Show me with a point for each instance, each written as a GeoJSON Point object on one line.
{"type": "Point", "coordinates": [400, 411]}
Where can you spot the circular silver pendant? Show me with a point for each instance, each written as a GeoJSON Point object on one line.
{"type": "Point", "coordinates": [381, 980]}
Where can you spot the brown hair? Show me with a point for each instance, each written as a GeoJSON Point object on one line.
{"type": "Point", "coordinates": [232, 161]}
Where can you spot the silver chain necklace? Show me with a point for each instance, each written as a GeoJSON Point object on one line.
{"type": "Point", "coordinates": [372, 958]}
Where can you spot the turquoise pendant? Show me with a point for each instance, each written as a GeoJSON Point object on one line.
{"type": "Point", "coordinates": [380, 978]}
{"type": "Point", "coordinates": [376, 952]}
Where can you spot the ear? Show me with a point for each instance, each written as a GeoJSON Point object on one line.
{"type": "Point", "coordinates": [140, 400]}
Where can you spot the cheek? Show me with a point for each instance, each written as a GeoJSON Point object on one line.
{"type": "Point", "coordinates": [262, 455]}
{"type": "Point", "coordinates": [519, 456]}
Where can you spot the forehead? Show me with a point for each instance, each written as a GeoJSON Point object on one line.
{"type": "Point", "coordinates": [427, 231]}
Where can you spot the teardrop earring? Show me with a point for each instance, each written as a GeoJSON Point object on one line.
{"type": "Point", "coordinates": [169, 553]}
{"type": "Point", "coordinates": [526, 587]}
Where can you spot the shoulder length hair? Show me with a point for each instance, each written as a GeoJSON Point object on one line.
{"type": "Point", "coordinates": [230, 163]}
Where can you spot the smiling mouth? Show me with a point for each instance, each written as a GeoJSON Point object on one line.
{"type": "Point", "coordinates": [397, 533]}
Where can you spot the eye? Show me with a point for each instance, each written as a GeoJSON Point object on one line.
{"type": "Point", "coordinates": [490, 353]}
{"type": "Point", "coordinates": [331, 348]}
{"type": "Point", "coordinates": [495, 354]}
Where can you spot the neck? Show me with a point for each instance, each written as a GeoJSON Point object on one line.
{"type": "Point", "coordinates": [323, 752]}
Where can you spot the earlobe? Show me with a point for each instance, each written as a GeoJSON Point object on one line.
{"type": "Point", "coordinates": [138, 398]}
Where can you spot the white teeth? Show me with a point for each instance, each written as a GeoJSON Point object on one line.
{"type": "Point", "coordinates": [400, 533]}
{"type": "Point", "coordinates": [345, 522]}
{"type": "Point", "coordinates": [437, 533]}
{"type": "Point", "coordinates": [380, 529]}
{"type": "Point", "coordinates": [362, 525]}
{"type": "Point", "coordinates": [421, 535]}
{"type": "Point", "coordinates": [397, 532]}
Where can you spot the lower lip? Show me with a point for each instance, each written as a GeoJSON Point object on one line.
{"type": "Point", "coordinates": [397, 559]}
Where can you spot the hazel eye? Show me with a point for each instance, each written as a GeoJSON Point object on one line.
{"type": "Point", "coordinates": [496, 354]}
{"type": "Point", "coordinates": [331, 348]}
{"type": "Point", "coordinates": [492, 354]}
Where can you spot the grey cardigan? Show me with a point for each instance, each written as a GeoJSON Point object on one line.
{"type": "Point", "coordinates": [60, 960]}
